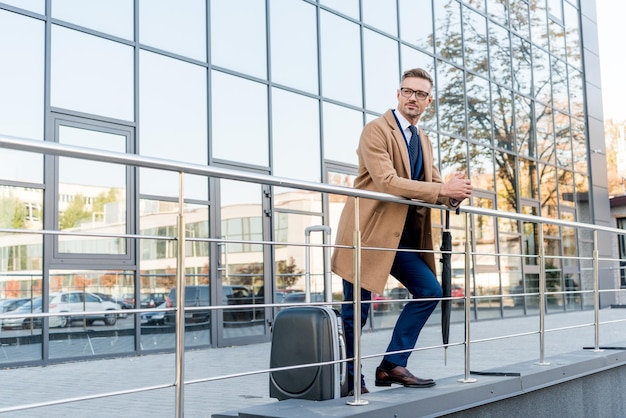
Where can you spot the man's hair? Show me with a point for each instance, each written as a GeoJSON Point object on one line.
{"type": "Point", "coordinates": [419, 73]}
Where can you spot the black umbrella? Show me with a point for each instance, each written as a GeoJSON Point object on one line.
{"type": "Point", "coordinates": [446, 283]}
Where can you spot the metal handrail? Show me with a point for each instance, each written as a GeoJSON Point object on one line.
{"type": "Point", "coordinates": [203, 170]}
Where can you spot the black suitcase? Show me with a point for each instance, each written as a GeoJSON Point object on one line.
{"type": "Point", "coordinates": [309, 334]}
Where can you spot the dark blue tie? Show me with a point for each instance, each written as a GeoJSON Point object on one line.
{"type": "Point", "coordinates": [415, 153]}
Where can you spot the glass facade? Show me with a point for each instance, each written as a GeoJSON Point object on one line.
{"type": "Point", "coordinates": [280, 87]}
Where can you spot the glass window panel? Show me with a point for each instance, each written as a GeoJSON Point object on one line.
{"type": "Point", "coordinates": [528, 181]}
{"type": "Point", "coordinates": [563, 140]}
{"type": "Point", "coordinates": [297, 200]}
{"type": "Point", "coordinates": [448, 38]}
{"type": "Point", "coordinates": [21, 336]}
{"type": "Point", "coordinates": [382, 75]}
{"type": "Point", "coordinates": [91, 74]}
{"type": "Point", "coordinates": [579, 146]}
{"type": "Point", "coordinates": [503, 132]}
{"type": "Point", "coordinates": [500, 55]}
{"type": "Point", "coordinates": [481, 167]}
{"type": "Point", "coordinates": [475, 42]}
{"type": "Point", "coordinates": [21, 166]}
{"type": "Point", "coordinates": [347, 7]}
{"type": "Point", "coordinates": [518, 12]}
{"type": "Point", "coordinates": [531, 236]}
{"type": "Point", "coordinates": [541, 70]}
{"type": "Point", "coordinates": [479, 109]}
{"type": "Point", "coordinates": [228, 17]}
{"type": "Point", "coordinates": [583, 209]}
{"type": "Point", "coordinates": [173, 109]}
{"type": "Point", "coordinates": [539, 23]}
{"type": "Point", "coordinates": [545, 133]}
{"type": "Point", "coordinates": [241, 219]}
{"type": "Point", "coordinates": [228, 94]}
{"type": "Point", "coordinates": [37, 6]}
{"type": "Point", "coordinates": [572, 36]}
{"type": "Point", "coordinates": [419, 35]}
{"type": "Point", "coordinates": [498, 11]}
{"type": "Point", "coordinates": [566, 188]}
{"type": "Point", "coordinates": [506, 182]}
{"type": "Point", "coordinates": [412, 58]}
{"type": "Point", "coordinates": [174, 26]}
{"type": "Point", "coordinates": [20, 208]}
{"type": "Point", "coordinates": [451, 99]}
{"type": "Point", "coordinates": [555, 8]}
{"type": "Point", "coordinates": [523, 132]}
{"type": "Point", "coordinates": [21, 77]}
{"type": "Point", "coordinates": [294, 44]}
{"type": "Point", "coordinates": [522, 67]}
{"type": "Point", "coordinates": [341, 61]}
{"type": "Point", "coordinates": [576, 93]}
{"type": "Point", "coordinates": [295, 116]}
{"type": "Point", "coordinates": [454, 156]}
{"type": "Point", "coordinates": [166, 183]}
{"type": "Point", "coordinates": [381, 14]}
{"type": "Point", "coordinates": [290, 260]}
{"type": "Point", "coordinates": [114, 17]}
{"type": "Point", "coordinates": [89, 291]}
{"type": "Point", "coordinates": [548, 192]}
{"type": "Point", "coordinates": [342, 129]}
{"type": "Point", "coordinates": [557, 40]}
{"type": "Point", "coordinates": [91, 194]}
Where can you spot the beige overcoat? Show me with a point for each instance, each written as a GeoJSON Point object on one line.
{"type": "Point", "coordinates": [384, 167]}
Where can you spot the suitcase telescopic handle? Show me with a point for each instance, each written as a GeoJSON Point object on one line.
{"type": "Point", "coordinates": [328, 294]}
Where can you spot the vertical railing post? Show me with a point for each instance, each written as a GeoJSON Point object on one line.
{"type": "Point", "coordinates": [468, 267]}
{"type": "Point", "coordinates": [542, 297]}
{"type": "Point", "coordinates": [180, 303]}
{"type": "Point", "coordinates": [357, 309]}
{"type": "Point", "coordinates": [596, 291]}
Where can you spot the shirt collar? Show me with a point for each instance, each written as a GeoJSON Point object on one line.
{"type": "Point", "coordinates": [404, 124]}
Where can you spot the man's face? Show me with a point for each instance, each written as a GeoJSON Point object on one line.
{"type": "Point", "coordinates": [413, 107]}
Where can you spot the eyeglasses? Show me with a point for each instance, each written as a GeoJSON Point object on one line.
{"type": "Point", "coordinates": [419, 95]}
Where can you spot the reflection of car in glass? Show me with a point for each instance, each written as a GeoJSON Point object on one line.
{"type": "Point", "coordinates": [231, 295]}
{"type": "Point", "coordinates": [299, 297]}
{"type": "Point", "coordinates": [152, 300]}
{"type": "Point", "coordinates": [24, 322]}
{"type": "Point", "coordinates": [457, 292]}
{"type": "Point", "coordinates": [8, 305]}
{"type": "Point", "coordinates": [398, 293]}
{"type": "Point", "coordinates": [83, 302]}
{"type": "Point", "coordinates": [380, 306]}
{"type": "Point", "coordinates": [156, 317]}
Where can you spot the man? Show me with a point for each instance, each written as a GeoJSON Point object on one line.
{"type": "Point", "coordinates": [387, 165]}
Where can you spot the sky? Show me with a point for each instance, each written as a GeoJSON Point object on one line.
{"type": "Point", "coordinates": [611, 34]}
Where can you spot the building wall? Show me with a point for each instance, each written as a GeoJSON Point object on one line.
{"type": "Point", "coordinates": [284, 87]}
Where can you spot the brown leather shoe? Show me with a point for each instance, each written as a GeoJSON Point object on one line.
{"type": "Point", "coordinates": [363, 390]}
{"type": "Point", "coordinates": [401, 376]}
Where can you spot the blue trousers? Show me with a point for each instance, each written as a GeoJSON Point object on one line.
{"type": "Point", "coordinates": [410, 270]}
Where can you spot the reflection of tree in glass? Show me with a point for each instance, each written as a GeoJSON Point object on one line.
{"type": "Point", "coordinates": [12, 213]}
{"type": "Point", "coordinates": [74, 213]}
{"type": "Point", "coordinates": [287, 273]}
{"type": "Point", "coordinates": [511, 121]}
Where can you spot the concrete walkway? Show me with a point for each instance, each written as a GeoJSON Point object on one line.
{"type": "Point", "coordinates": [566, 333]}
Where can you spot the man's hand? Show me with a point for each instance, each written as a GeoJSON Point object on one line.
{"type": "Point", "coordinates": [458, 187]}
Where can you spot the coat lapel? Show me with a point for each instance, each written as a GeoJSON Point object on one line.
{"type": "Point", "coordinates": [400, 141]}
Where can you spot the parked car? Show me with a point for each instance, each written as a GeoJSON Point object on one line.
{"type": "Point", "coordinates": [8, 305]}
{"type": "Point", "coordinates": [126, 301]}
{"type": "Point", "coordinates": [152, 300]}
{"type": "Point", "coordinates": [83, 302]}
{"type": "Point", "coordinates": [154, 318]}
{"type": "Point", "coordinates": [110, 298]}
{"type": "Point", "coordinates": [194, 296]}
{"type": "Point", "coordinates": [299, 297]}
{"type": "Point", "coordinates": [24, 322]}
{"type": "Point", "coordinates": [231, 295]}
